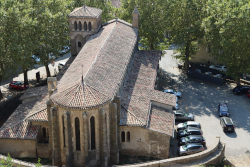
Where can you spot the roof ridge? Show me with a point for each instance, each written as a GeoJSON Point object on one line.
{"type": "Point", "coordinates": [132, 114]}
{"type": "Point", "coordinates": [99, 51]}
{"type": "Point", "coordinates": [28, 116]}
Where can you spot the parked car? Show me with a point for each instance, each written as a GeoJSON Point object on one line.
{"type": "Point", "coordinates": [189, 131]}
{"type": "Point", "coordinates": [182, 116]}
{"type": "Point", "coordinates": [192, 139]}
{"type": "Point", "coordinates": [227, 124]}
{"type": "Point", "coordinates": [171, 91]}
{"type": "Point", "coordinates": [190, 148]}
{"type": "Point", "coordinates": [61, 65]}
{"type": "Point", "coordinates": [238, 90]}
{"type": "Point", "coordinates": [248, 93]}
{"type": "Point", "coordinates": [176, 107]}
{"type": "Point", "coordinates": [208, 73]}
{"type": "Point", "coordinates": [219, 67]}
{"type": "Point", "coordinates": [65, 49]}
{"type": "Point", "coordinates": [36, 59]}
{"type": "Point", "coordinates": [184, 125]}
{"type": "Point", "coordinates": [223, 110]}
{"type": "Point", "coordinates": [217, 76]}
{"type": "Point", "coordinates": [18, 85]}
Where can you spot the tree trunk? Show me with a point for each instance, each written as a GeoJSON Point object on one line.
{"type": "Point", "coordinates": [237, 80]}
{"type": "Point", "coordinates": [152, 46]}
{"type": "Point", "coordinates": [187, 52]}
{"type": "Point", "coordinates": [25, 75]}
{"type": "Point", "coordinates": [47, 70]}
{"type": "Point", "coordinates": [1, 95]}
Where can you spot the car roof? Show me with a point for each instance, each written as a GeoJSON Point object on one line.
{"type": "Point", "coordinates": [227, 120]}
{"type": "Point", "coordinates": [193, 144]}
{"type": "Point", "coordinates": [192, 123]}
{"type": "Point", "coordinates": [168, 90]}
{"type": "Point", "coordinates": [193, 129]}
{"type": "Point", "coordinates": [179, 112]}
{"type": "Point", "coordinates": [195, 136]}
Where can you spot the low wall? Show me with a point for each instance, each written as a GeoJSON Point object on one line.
{"type": "Point", "coordinates": [178, 160]}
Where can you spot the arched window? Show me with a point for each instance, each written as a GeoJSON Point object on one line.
{"type": "Point", "coordinates": [92, 132]}
{"type": "Point", "coordinates": [79, 44]}
{"type": "Point", "coordinates": [89, 26]}
{"type": "Point", "coordinates": [128, 136]}
{"type": "Point", "coordinates": [63, 131]}
{"type": "Point", "coordinates": [85, 26]}
{"type": "Point", "coordinates": [44, 132]}
{"type": "Point", "coordinates": [75, 25]}
{"type": "Point", "coordinates": [123, 136]}
{"type": "Point", "coordinates": [80, 26]}
{"type": "Point", "coordinates": [77, 131]}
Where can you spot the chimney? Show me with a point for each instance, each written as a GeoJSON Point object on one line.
{"type": "Point", "coordinates": [135, 14]}
{"type": "Point", "coordinates": [52, 84]}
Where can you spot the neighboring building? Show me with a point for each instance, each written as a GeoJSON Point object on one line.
{"type": "Point", "coordinates": [104, 106]}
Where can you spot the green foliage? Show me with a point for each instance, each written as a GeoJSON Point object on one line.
{"type": "Point", "coordinates": [227, 30]}
{"type": "Point", "coordinates": [38, 163]}
{"type": "Point", "coordinates": [151, 21]}
{"type": "Point", "coordinates": [6, 162]}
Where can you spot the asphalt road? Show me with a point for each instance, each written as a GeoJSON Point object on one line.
{"type": "Point", "coordinates": [201, 98]}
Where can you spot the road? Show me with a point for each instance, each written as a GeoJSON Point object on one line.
{"type": "Point", "coordinates": [32, 73]}
{"type": "Point", "coordinates": [201, 98]}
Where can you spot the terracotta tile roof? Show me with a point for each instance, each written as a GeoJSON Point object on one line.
{"type": "Point", "coordinates": [18, 124]}
{"type": "Point", "coordinates": [85, 11]}
{"type": "Point", "coordinates": [138, 92]}
{"type": "Point", "coordinates": [161, 120]}
{"type": "Point", "coordinates": [102, 62]}
{"type": "Point", "coordinates": [22, 130]}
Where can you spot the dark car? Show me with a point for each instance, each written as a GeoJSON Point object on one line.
{"type": "Point", "coordinates": [238, 90]}
{"type": "Point", "coordinates": [223, 110]}
{"type": "Point", "coordinates": [184, 125]}
{"type": "Point", "coordinates": [183, 116]}
{"type": "Point", "coordinates": [192, 139]}
{"type": "Point", "coordinates": [189, 131]}
{"type": "Point", "coordinates": [18, 85]}
{"type": "Point", "coordinates": [227, 124]}
{"type": "Point", "coordinates": [190, 148]}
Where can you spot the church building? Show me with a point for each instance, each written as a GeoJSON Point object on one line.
{"type": "Point", "coordinates": [106, 104]}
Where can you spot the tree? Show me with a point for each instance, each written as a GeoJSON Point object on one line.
{"type": "Point", "coordinates": [7, 27]}
{"type": "Point", "coordinates": [227, 30]}
{"type": "Point", "coordinates": [185, 25]}
{"type": "Point", "coordinates": [151, 20]}
{"type": "Point", "coordinates": [52, 32]}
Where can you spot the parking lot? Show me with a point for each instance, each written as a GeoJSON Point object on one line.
{"type": "Point", "coordinates": [202, 98]}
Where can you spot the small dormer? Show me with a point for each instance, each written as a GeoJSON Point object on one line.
{"type": "Point", "coordinates": [83, 22]}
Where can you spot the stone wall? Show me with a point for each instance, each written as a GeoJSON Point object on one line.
{"type": "Point", "coordinates": [178, 160]}
{"type": "Point", "coordinates": [18, 148]}
{"type": "Point", "coordinates": [144, 142]}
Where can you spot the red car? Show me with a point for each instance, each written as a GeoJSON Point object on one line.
{"type": "Point", "coordinates": [18, 85]}
{"type": "Point", "coordinates": [248, 93]}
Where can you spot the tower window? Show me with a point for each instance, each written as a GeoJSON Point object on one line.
{"type": "Point", "coordinates": [44, 132]}
{"type": "Point", "coordinates": [85, 26]}
{"type": "Point", "coordinates": [75, 25]}
{"type": "Point", "coordinates": [80, 26]}
{"type": "Point", "coordinates": [79, 44]}
{"type": "Point", "coordinates": [77, 131]}
{"type": "Point", "coordinates": [89, 26]}
{"type": "Point", "coordinates": [63, 131]}
{"type": "Point", "coordinates": [128, 136]}
{"type": "Point", "coordinates": [92, 132]}
{"type": "Point", "coordinates": [123, 136]}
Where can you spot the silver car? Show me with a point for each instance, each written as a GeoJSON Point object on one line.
{"type": "Point", "coordinates": [171, 91]}
{"type": "Point", "coordinates": [184, 125]}
{"type": "Point", "coordinates": [183, 116]}
{"type": "Point", "coordinates": [190, 148]}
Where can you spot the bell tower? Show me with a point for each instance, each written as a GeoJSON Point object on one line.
{"type": "Point", "coordinates": [83, 22]}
